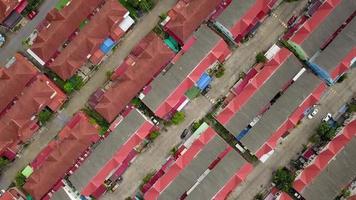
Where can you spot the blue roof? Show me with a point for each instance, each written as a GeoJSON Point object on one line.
{"type": "Point", "coordinates": [321, 73]}
{"type": "Point", "coordinates": [204, 81]}
{"type": "Point", "coordinates": [107, 45]}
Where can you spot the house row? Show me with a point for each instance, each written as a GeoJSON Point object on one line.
{"type": "Point", "coordinates": [10, 12]}
{"type": "Point", "coordinates": [82, 31]}
{"type": "Point", "coordinates": [24, 93]}
{"type": "Point", "coordinates": [202, 50]}
{"type": "Point", "coordinates": [110, 158]}
{"type": "Point", "coordinates": [332, 170]}
{"type": "Point", "coordinates": [60, 157]}
{"type": "Point", "coordinates": [276, 97]}
{"type": "Point", "coordinates": [201, 169]}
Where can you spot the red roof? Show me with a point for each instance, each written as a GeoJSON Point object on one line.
{"type": "Point", "coordinates": [6, 7]}
{"type": "Point", "coordinates": [61, 24]}
{"type": "Point", "coordinates": [240, 176]}
{"type": "Point", "coordinates": [19, 122]}
{"type": "Point", "coordinates": [151, 56]}
{"type": "Point", "coordinates": [14, 79]}
{"type": "Point", "coordinates": [89, 39]}
{"type": "Point", "coordinates": [187, 16]}
{"type": "Point", "coordinates": [179, 165]}
{"type": "Point", "coordinates": [322, 160]}
{"type": "Point", "coordinates": [118, 158]}
{"type": "Point", "coordinates": [255, 13]}
{"type": "Point", "coordinates": [73, 141]}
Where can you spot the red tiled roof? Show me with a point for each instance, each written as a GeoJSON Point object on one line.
{"type": "Point", "coordinates": [187, 15]}
{"type": "Point", "coordinates": [88, 40]}
{"type": "Point", "coordinates": [153, 56]}
{"type": "Point", "coordinates": [6, 7]}
{"type": "Point", "coordinates": [61, 25]}
{"type": "Point", "coordinates": [14, 79]}
{"type": "Point", "coordinates": [18, 124]}
{"type": "Point", "coordinates": [67, 150]}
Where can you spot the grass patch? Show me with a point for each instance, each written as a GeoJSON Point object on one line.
{"type": "Point", "coordinates": [83, 24]}
{"type": "Point", "coordinates": [61, 4]}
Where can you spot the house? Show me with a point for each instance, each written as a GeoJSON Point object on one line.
{"type": "Point", "coordinates": [10, 12]}
{"type": "Point", "coordinates": [13, 194]}
{"type": "Point", "coordinates": [201, 170]}
{"type": "Point", "coordinates": [167, 90]}
{"type": "Point", "coordinates": [332, 170]}
{"type": "Point", "coordinates": [186, 16]}
{"type": "Point", "coordinates": [104, 25]}
{"type": "Point", "coordinates": [273, 102]}
{"type": "Point", "coordinates": [150, 56]}
{"type": "Point", "coordinates": [59, 26]}
{"type": "Point", "coordinates": [241, 17]}
{"type": "Point", "coordinates": [73, 140]}
{"type": "Point", "coordinates": [112, 157]}
{"type": "Point", "coordinates": [33, 93]}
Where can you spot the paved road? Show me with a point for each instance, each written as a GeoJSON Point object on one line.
{"type": "Point", "coordinates": [261, 176]}
{"type": "Point", "coordinates": [141, 29]}
{"type": "Point", "coordinates": [15, 43]}
{"type": "Point", "coordinates": [156, 156]}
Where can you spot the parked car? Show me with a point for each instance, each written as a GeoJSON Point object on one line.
{"type": "Point", "coordinates": [184, 134]}
{"type": "Point", "coordinates": [32, 14]}
{"type": "Point", "coordinates": [292, 20]}
{"type": "Point", "coordinates": [327, 117]}
{"type": "Point", "coordinates": [313, 113]}
{"type": "Point", "coordinates": [2, 40]}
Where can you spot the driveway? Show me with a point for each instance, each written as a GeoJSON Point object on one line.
{"type": "Point", "coordinates": [79, 99]}
{"type": "Point", "coordinates": [261, 176]}
{"type": "Point", "coordinates": [15, 43]}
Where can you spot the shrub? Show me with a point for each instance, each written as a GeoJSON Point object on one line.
{"type": "Point", "coordinates": [261, 58]}
{"type": "Point", "coordinates": [342, 78]}
{"type": "Point", "coordinates": [153, 135]}
{"type": "Point", "coordinates": [136, 102]}
{"type": "Point", "coordinates": [178, 118]}
{"type": "Point", "coordinates": [3, 162]}
{"type": "Point", "coordinates": [20, 180]}
{"type": "Point", "coordinates": [283, 179]}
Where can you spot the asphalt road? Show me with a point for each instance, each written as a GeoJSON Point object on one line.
{"type": "Point", "coordinates": [15, 39]}
{"type": "Point", "coordinates": [261, 176]}
{"type": "Point", "coordinates": [79, 99]}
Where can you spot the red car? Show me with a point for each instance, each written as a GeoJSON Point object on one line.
{"type": "Point", "coordinates": [32, 14]}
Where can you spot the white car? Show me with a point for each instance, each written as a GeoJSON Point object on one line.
{"type": "Point", "coordinates": [327, 117]}
{"type": "Point", "coordinates": [312, 114]}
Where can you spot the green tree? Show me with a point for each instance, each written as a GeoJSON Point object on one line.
{"type": "Point", "coordinates": [76, 81]}
{"type": "Point", "coordinates": [68, 87]}
{"type": "Point", "coordinates": [178, 118]}
{"type": "Point", "coordinates": [44, 116]}
{"type": "Point", "coordinates": [283, 179]}
{"type": "Point", "coordinates": [325, 131]}
{"type": "Point", "coordinates": [261, 58]}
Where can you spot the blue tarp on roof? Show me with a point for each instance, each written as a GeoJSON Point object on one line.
{"type": "Point", "coordinates": [204, 81]}
{"type": "Point", "coordinates": [107, 45]}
